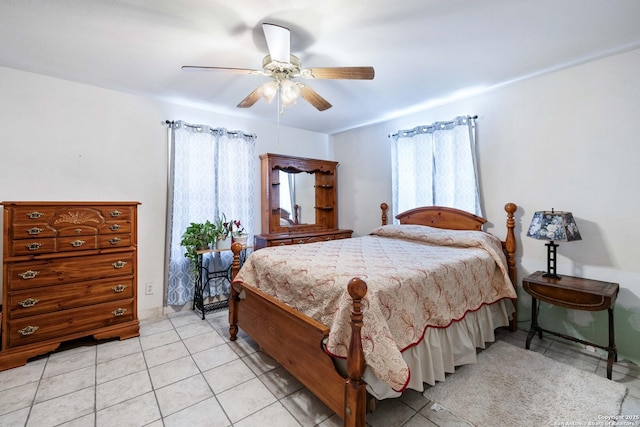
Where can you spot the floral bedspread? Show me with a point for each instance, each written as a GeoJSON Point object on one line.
{"type": "Point", "coordinates": [417, 277]}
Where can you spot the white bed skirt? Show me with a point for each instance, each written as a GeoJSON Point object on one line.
{"type": "Point", "coordinates": [442, 350]}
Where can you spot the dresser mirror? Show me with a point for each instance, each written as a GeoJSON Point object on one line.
{"type": "Point", "coordinates": [298, 200]}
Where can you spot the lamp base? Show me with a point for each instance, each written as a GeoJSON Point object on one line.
{"type": "Point", "coordinates": [551, 260]}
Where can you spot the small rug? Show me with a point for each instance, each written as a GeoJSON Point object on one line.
{"type": "Point", "coordinates": [511, 386]}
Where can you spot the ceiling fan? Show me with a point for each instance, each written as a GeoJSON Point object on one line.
{"type": "Point", "coordinates": [283, 67]}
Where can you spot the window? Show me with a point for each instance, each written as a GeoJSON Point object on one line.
{"type": "Point", "coordinates": [435, 165]}
{"type": "Point", "coordinates": [211, 172]}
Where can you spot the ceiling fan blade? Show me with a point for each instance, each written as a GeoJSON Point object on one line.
{"type": "Point", "coordinates": [279, 42]}
{"type": "Point", "coordinates": [231, 70]}
{"type": "Point", "coordinates": [312, 97]}
{"type": "Point", "coordinates": [251, 99]}
{"type": "Point", "coordinates": [352, 73]}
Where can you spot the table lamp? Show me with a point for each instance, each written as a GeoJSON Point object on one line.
{"type": "Point", "coordinates": [553, 226]}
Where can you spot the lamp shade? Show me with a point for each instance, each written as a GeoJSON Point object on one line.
{"type": "Point", "coordinates": [554, 225]}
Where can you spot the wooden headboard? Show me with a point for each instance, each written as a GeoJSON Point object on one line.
{"type": "Point", "coordinates": [442, 217]}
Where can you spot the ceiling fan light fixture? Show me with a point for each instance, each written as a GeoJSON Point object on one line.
{"type": "Point", "coordinates": [289, 92]}
{"type": "Point", "coordinates": [269, 90]}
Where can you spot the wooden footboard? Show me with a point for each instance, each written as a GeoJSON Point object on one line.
{"type": "Point", "coordinates": [296, 342]}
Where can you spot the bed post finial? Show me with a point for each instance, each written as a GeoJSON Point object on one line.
{"type": "Point", "coordinates": [383, 208]}
{"type": "Point", "coordinates": [355, 390]}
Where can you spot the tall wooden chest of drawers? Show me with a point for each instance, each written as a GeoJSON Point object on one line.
{"type": "Point", "coordinates": [69, 270]}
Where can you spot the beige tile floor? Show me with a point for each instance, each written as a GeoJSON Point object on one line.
{"type": "Point", "coordinates": [183, 370]}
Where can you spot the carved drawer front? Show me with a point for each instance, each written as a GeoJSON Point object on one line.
{"type": "Point", "coordinates": [33, 246]}
{"type": "Point", "coordinates": [33, 230]}
{"type": "Point", "coordinates": [33, 214]}
{"type": "Point", "coordinates": [67, 322]}
{"type": "Point", "coordinates": [75, 218]}
{"type": "Point", "coordinates": [77, 243]}
{"type": "Point", "coordinates": [32, 274]}
{"type": "Point", "coordinates": [63, 297]}
{"type": "Point", "coordinates": [114, 241]}
{"type": "Point", "coordinates": [118, 227]}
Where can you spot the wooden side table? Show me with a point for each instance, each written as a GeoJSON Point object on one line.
{"type": "Point", "coordinates": [574, 293]}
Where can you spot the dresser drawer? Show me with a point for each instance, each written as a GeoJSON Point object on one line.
{"type": "Point", "coordinates": [32, 246]}
{"type": "Point", "coordinates": [34, 230]}
{"type": "Point", "coordinates": [62, 297]}
{"type": "Point", "coordinates": [118, 227]}
{"type": "Point", "coordinates": [33, 274]}
{"type": "Point", "coordinates": [77, 231]}
{"type": "Point", "coordinates": [67, 322]}
{"type": "Point", "coordinates": [33, 215]}
{"type": "Point", "coordinates": [312, 239]}
{"type": "Point", "coordinates": [77, 243]}
{"type": "Point", "coordinates": [117, 213]}
{"type": "Point", "coordinates": [279, 242]}
{"type": "Point", "coordinates": [342, 236]}
{"type": "Point", "coordinates": [114, 241]}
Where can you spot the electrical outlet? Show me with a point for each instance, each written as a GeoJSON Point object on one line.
{"type": "Point", "coordinates": [149, 288]}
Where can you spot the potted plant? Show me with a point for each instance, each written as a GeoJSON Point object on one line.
{"type": "Point", "coordinates": [223, 232]}
{"type": "Point", "coordinates": [197, 236]}
{"type": "Point", "coordinates": [237, 233]}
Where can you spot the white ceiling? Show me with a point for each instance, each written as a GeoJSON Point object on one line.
{"type": "Point", "coordinates": [423, 51]}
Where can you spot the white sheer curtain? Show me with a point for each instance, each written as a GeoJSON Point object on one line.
{"type": "Point", "coordinates": [211, 171]}
{"type": "Point", "coordinates": [436, 165]}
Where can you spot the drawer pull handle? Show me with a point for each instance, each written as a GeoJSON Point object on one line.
{"type": "Point", "coordinates": [29, 302]}
{"type": "Point", "coordinates": [328, 238]}
{"type": "Point", "coordinates": [29, 274]}
{"type": "Point", "coordinates": [34, 246]}
{"type": "Point", "coordinates": [28, 330]}
{"type": "Point", "coordinates": [119, 288]}
{"type": "Point", "coordinates": [77, 243]}
{"type": "Point", "coordinates": [115, 240]}
{"type": "Point", "coordinates": [115, 214]}
{"type": "Point", "coordinates": [119, 311]}
{"type": "Point", "coordinates": [35, 215]}
{"type": "Point", "coordinates": [114, 227]}
{"type": "Point", "coordinates": [119, 264]}
{"type": "Point", "coordinates": [78, 230]}
{"type": "Point", "coordinates": [300, 242]}
{"type": "Point", "coordinates": [35, 230]}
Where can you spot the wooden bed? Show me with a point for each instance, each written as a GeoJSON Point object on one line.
{"type": "Point", "coordinates": [296, 341]}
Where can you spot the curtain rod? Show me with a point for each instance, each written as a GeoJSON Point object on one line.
{"type": "Point", "coordinates": [171, 123]}
{"type": "Point", "coordinates": [431, 126]}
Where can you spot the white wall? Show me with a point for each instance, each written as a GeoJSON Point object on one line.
{"type": "Point", "coordinates": [567, 140]}
{"type": "Point", "coordinates": [68, 141]}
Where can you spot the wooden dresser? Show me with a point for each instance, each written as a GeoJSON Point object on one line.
{"type": "Point", "coordinates": [69, 271]}
{"type": "Point", "coordinates": [316, 195]}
